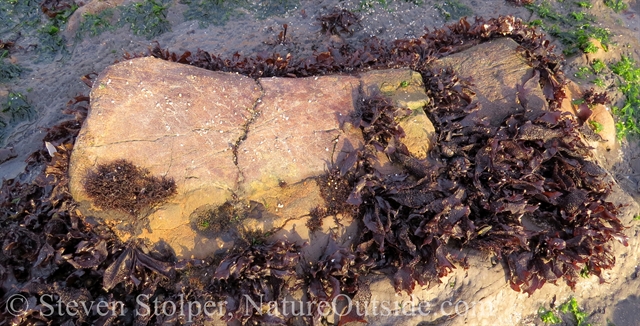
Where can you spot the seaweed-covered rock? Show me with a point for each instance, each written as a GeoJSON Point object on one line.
{"type": "Point", "coordinates": [501, 77]}
{"type": "Point", "coordinates": [406, 89]}
{"type": "Point", "coordinates": [222, 138]}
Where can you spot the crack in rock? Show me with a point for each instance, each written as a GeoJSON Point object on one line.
{"type": "Point", "coordinates": [245, 130]}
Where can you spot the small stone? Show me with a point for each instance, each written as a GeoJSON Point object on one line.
{"type": "Point", "coordinates": [572, 92]}
{"type": "Point", "coordinates": [602, 116]}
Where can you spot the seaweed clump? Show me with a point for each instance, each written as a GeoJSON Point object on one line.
{"type": "Point", "coordinates": [8, 70]}
{"type": "Point", "coordinates": [336, 273]}
{"type": "Point", "coordinates": [213, 220]}
{"type": "Point", "coordinates": [252, 278]}
{"type": "Point", "coordinates": [338, 21]}
{"type": "Point", "coordinates": [123, 186]}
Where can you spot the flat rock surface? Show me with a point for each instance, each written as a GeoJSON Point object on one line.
{"type": "Point", "coordinates": [151, 113]}
{"type": "Point", "coordinates": [298, 132]}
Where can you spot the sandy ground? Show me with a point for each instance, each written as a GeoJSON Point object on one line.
{"type": "Point", "coordinates": [48, 84]}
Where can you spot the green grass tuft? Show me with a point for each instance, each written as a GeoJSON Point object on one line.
{"type": "Point", "coordinates": [628, 115]}
{"type": "Point", "coordinates": [596, 126]}
{"type": "Point", "coordinates": [584, 4]}
{"type": "Point", "coordinates": [616, 5]}
{"type": "Point", "coordinates": [598, 66]}
{"type": "Point", "coordinates": [573, 30]}
{"type": "Point", "coordinates": [96, 24]}
{"type": "Point", "coordinates": [599, 82]}
{"type": "Point", "coordinates": [147, 18]}
{"type": "Point", "coordinates": [570, 307]}
{"type": "Point", "coordinates": [16, 108]}
{"type": "Point", "coordinates": [548, 316]}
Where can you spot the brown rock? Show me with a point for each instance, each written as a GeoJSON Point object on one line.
{"type": "Point", "coordinates": [403, 86]}
{"type": "Point", "coordinates": [600, 114]}
{"type": "Point", "coordinates": [297, 134]}
{"type": "Point", "coordinates": [572, 92]}
{"type": "Point", "coordinates": [603, 52]}
{"type": "Point", "coordinates": [418, 128]}
{"type": "Point", "coordinates": [92, 7]}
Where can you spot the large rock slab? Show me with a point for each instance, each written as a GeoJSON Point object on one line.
{"type": "Point", "coordinates": [225, 138]}
{"type": "Point", "coordinates": [244, 155]}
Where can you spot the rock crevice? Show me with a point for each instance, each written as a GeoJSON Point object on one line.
{"type": "Point", "coordinates": [245, 127]}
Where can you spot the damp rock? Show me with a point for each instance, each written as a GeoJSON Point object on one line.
{"type": "Point", "coordinates": [605, 126]}
{"type": "Point", "coordinates": [303, 126]}
{"type": "Point", "coordinates": [572, 92]}
{"type": "Point", "coordinates": [92, 7]}
{"type": "Point", "coordinates": [7, 154]}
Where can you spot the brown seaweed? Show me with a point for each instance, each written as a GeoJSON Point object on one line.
{"type": "Point", "coordinates": [337, 272]}
{"type": "Point", "coordinates": [338, 21]}
{"type": "Point", "coordinates": [256, 275]}
{"type": "Point", "coordinates": [123, 186]}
